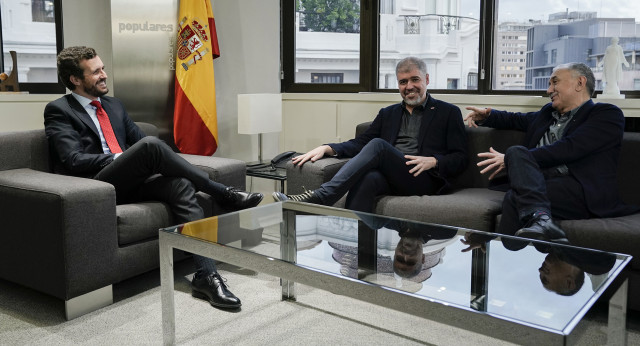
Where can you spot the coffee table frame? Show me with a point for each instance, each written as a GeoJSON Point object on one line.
{"type": "Point", "coordinates": [454, 315]}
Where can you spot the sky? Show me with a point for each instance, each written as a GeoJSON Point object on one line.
{"type": "Point", "coordinates": [523, 10]}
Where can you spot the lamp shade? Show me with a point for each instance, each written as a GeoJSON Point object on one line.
{"type": "Point", "coordinates": [259, 113]}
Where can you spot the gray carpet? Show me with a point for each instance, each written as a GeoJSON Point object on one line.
{"type": "Point", "coordinates": [318, 317]}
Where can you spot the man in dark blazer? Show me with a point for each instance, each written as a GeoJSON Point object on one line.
{"type": "Point", "coordinates": [567, 165]}
{"type": "Point", "coordinates": [110, 147]}
{"type": "Point", "coordinates": [410, 148]}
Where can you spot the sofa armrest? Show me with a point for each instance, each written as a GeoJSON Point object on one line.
{"type": "Point", "coordinates": [229, 172]}
{"type": "Point", "coordinates": [312, 174]}
{"type": "Point", "coordinates": [59, 232]}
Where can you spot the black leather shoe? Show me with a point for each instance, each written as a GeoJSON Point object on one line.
{"type": "Point", "coordinates": [238, 199]}
{"type": "Point", "coordinates": [307, 197]}
{"type": "Point", "coordinates": [541, 227]}
{"type": "Point", "coordinates": [213, 289]}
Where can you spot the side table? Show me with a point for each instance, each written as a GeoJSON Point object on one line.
{"type": "Point", "coordinates": [268, 172]}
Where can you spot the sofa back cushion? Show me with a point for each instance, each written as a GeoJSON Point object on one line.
{"type": "Point", "coordinates": [30, 149]}
{"type": "Point", "coordinates": [24, 149]}
{"type": "Point", "coordinates": [479, 140]}
{"type": "Point", "coordinates": [629, 168]}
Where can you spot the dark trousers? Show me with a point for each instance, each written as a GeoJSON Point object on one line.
{"type": "Point", "coordinates": [151, 170]}
{"type": "Point", "coordinates": [531, 190]}
{"type": "Point", "coordinates": [378, 169]}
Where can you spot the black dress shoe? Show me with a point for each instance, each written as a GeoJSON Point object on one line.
{"type": "Point", "coordinates": [541, 227]}
{"type": "Point", "coordinates": [308, 197]}
{"type": "Point", "coordinates": [238, 199]}
{"type": "Point", "coordinates": [213, 289]}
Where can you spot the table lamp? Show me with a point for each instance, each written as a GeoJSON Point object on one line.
{"type": "Point", "coordinates": [258, 114]}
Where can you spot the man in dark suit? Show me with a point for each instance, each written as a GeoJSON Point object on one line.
{"type": "Point", "coordinates": [567, 166]}
{"type": "Point", "coordinates": [411, 148]}
{"type": "Point", "coordinates": [92, 136]}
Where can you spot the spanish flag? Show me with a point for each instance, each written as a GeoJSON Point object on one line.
{"type": "Point", "coordinates": [195, 124]}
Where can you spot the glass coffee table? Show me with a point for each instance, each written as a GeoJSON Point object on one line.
{"type": "Point", "coordinates": [527, 292]}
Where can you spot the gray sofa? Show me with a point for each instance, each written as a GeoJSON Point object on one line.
{"type": "Point", "coordinates": [66, 237]}
{"type": "Point", "coordinates": [472, 205]}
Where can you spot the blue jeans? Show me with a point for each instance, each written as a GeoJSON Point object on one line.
{"type": "Point", "coordinates": [378, 169]}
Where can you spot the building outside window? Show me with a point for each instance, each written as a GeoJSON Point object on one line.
{"type": "Point", "coordinates": [334, 78]}
{"type": "Point", "coordinates": [42, 11]}
{"type": "Point", "coordinates": [327, 38]}
{"type": "Point", "coordinates": [455, 41]}
{"type": "Point", "coordinates": [445, 35]}
{"type": "Point", "coordinates": [571, 31]}
{"type": "Point", "coordinates": [29, 29]}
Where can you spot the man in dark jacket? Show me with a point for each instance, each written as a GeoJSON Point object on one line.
{"type": "Point", "coordinates": [410, 148]}
{"type": "Point", "coordinates": [567, 165]}
{"type": "Point", "coordinates": [92, 136]}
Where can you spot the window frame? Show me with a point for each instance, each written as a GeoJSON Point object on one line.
{"type": "Point", "coordinates": [42, 88]}
{"type": "Point", "coordinates": [369, 47]}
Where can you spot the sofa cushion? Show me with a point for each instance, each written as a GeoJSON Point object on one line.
{"type": "Point", "coordinates": [141, 221]}
{"type": "Point", "coordinates": [474, 208]}
{"type": "Point", "coordinates": [618, 234]}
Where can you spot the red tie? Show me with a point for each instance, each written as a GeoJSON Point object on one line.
{"type": "Point", "coordinates": [107, 130]}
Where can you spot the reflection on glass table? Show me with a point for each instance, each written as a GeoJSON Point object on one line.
{"type": "Point", "coordinates": [507, 287]}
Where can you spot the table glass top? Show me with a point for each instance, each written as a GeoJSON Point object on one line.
{"type": "Point", "coordinates": [537, 283]}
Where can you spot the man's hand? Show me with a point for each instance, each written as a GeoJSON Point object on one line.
{"type": "Point", "coordinates": [494, 161]}
{"type": "Point", "coordinates": [421, 164]}
{"type": "Point", "coordinates": [476, 115]}
{"type": "Point", "coordinates": [313, 155]}
{"type": "Point", "coordinates": [473, 243]}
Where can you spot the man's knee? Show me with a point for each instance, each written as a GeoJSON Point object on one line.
{"type": "Point", "coordinates": [151, 140]}
{"type": "Point", "coordinates": [151, 145]}
{"type": "Point", "coordinates": [516, 150]}
{"type": "Point", "coordinates": [515, 153]}
{"type": "Point", "coordinates": [376, 145]}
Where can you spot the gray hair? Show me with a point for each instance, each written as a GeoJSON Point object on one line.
{"type": "Point", "coordinates": [410, 63]}
{"type": "Point", "coordinates": [579, 69]}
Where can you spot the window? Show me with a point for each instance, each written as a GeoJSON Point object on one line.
{"type": "Point", "coordinates": [457, 39]}
{"type": "Point", "coordinates": [572, 31]}
{"type": "Point", "coordinates": [444, 33]}
{"type": "Point", "coordinates": [33, 29]}
{"type": "Point", "coordinates": [327, 36]}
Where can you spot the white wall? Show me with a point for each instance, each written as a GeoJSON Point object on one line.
{"type": "Point", "coordinates": [313, 119]}
{"type": "Point", "coordinates": [88, 23]}
{"type": "Point", "coordinates": [249, 62]}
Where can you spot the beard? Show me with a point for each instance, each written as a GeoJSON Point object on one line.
{"type": "Point", "coordinates": [414, 102]}
{"type": "Point", "coordinates": [93, 89]}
